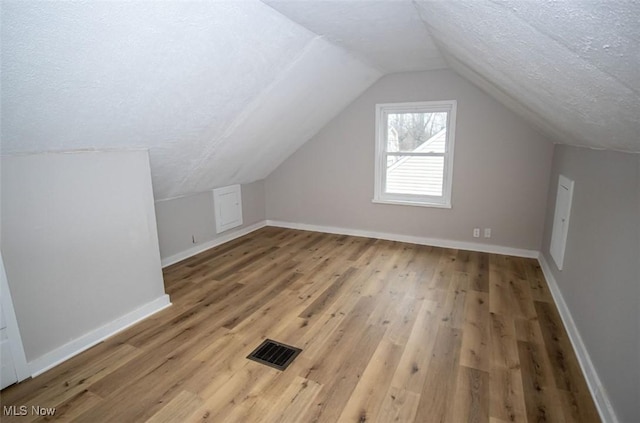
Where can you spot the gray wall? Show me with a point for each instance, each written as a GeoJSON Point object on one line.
{"type": "Point", "coordinates": [600, 280]}
{"type": "Point", "coordinates": [79, 242]}
{"type": "Point", "coordinates": [181, 218]}
{"type": "Point", "coordinates": [500, 176]}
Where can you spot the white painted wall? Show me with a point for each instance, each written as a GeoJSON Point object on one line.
{"type": "Point", "coordinates": [182, 218]}
{"type": "Point", "coordinates": [600, 279]}
{"type": "Point", "coordinates": [80, 246]}
{"type": "Point", "coordinates": [500, 175]}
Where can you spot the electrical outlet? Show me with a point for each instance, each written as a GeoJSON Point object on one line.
{"type": "Point", "coordinates": [476, 232]}
{"type": "Point", "coordinates": [487, 232]}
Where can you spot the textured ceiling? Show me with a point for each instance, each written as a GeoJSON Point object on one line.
{"type": "Point", "coordinates": [219, 92]}
{"type": "Point", "coordinates": [572, 67]}
{"type": "Point", "coordinates": [386, 33]}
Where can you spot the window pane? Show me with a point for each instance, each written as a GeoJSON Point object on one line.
{"type": "Point", "coordinates": [417, 175]}
{"type": "Point", "coordinates": [416, 132]}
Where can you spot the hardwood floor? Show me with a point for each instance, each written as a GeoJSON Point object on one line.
{"type": "Point", "coordinates": [390, 332]}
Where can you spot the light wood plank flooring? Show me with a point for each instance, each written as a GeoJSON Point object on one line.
{"type": "Point", "coordinates": [390, 332]}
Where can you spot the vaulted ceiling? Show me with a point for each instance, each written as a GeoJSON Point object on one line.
{"type": "Point", "coordinates": [222, 92]}
{"type": "Point", "coordinates": [572, 68]}
{"type": "Point", "coordinates": [219, 92]}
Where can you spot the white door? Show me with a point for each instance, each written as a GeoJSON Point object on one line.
{"type": "Point", "coordinates": [13, 362]}
{"type": "Point", "coordinates": [8, 375]}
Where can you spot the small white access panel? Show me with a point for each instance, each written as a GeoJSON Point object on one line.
{"type": "Point", "coordinates": [561, 220]}
{"type": "Point", "coordinates": [228, 206]}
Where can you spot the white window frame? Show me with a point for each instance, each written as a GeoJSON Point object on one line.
{"type": "Point", "coordinates": [382, 111]}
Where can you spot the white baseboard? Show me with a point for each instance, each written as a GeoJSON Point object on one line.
{"type": "Point", "coordinates": [599, 394]}
{"type": "Point", "coordinates": [63, 353]}
{"type": "Point", "coordinates": [229, 236]}
{"type": "Point", "coordinates": [435, 242]}
{"type": "Point", "coordinates": [86, 341]}
{"type": "Point", "coordinates": [595, 386]}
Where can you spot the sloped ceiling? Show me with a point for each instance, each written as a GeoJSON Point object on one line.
{"type": "Point", "coordinates": [572, 68]}
{"type": "Point", "coordinates": [387, 33]}
{"type": "Point", "coordinates": [574, 65]}
{"type": "Point", "coordinates": [219, 92]}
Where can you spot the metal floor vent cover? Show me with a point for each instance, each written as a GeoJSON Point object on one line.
{"type": "Point", "coordinates": [274, 354]}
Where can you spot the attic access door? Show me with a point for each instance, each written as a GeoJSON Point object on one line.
{"type": "Point", "coordinates": [561, 220]}
{"type": "Point", "coordinates": [228, 207]}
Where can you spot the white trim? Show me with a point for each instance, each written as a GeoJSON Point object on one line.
{"type": "Point", "coordinates": [561, 217]}
{"type": "Point", "coordinates": [598, 392]}
{"type": "Point", "coordinates": [601, 398]}
{"type": "Point", "coordinates": [168, 261]}
{"type": "Point", "coordinates": [13, 330]}
{"type": "Point", "coordinates": [88, 340]}
{"type": "Point", "coordinates": [220, 199]}
{"type": "Point", "coordinates": [412, 203]}
{"type": "Point", "coordinates": [435, 242]}
{"type": "Point", "coordinates": [380, 173]}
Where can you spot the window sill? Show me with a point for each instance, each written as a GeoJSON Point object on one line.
{"type": "Point", "coordinates": [412, 203]}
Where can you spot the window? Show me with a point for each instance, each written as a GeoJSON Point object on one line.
{"type": "Point", "coordinates": [414, 153]}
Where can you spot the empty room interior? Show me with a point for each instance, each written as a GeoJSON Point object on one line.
{"type": "Point", "coordinates": [320, 211]}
